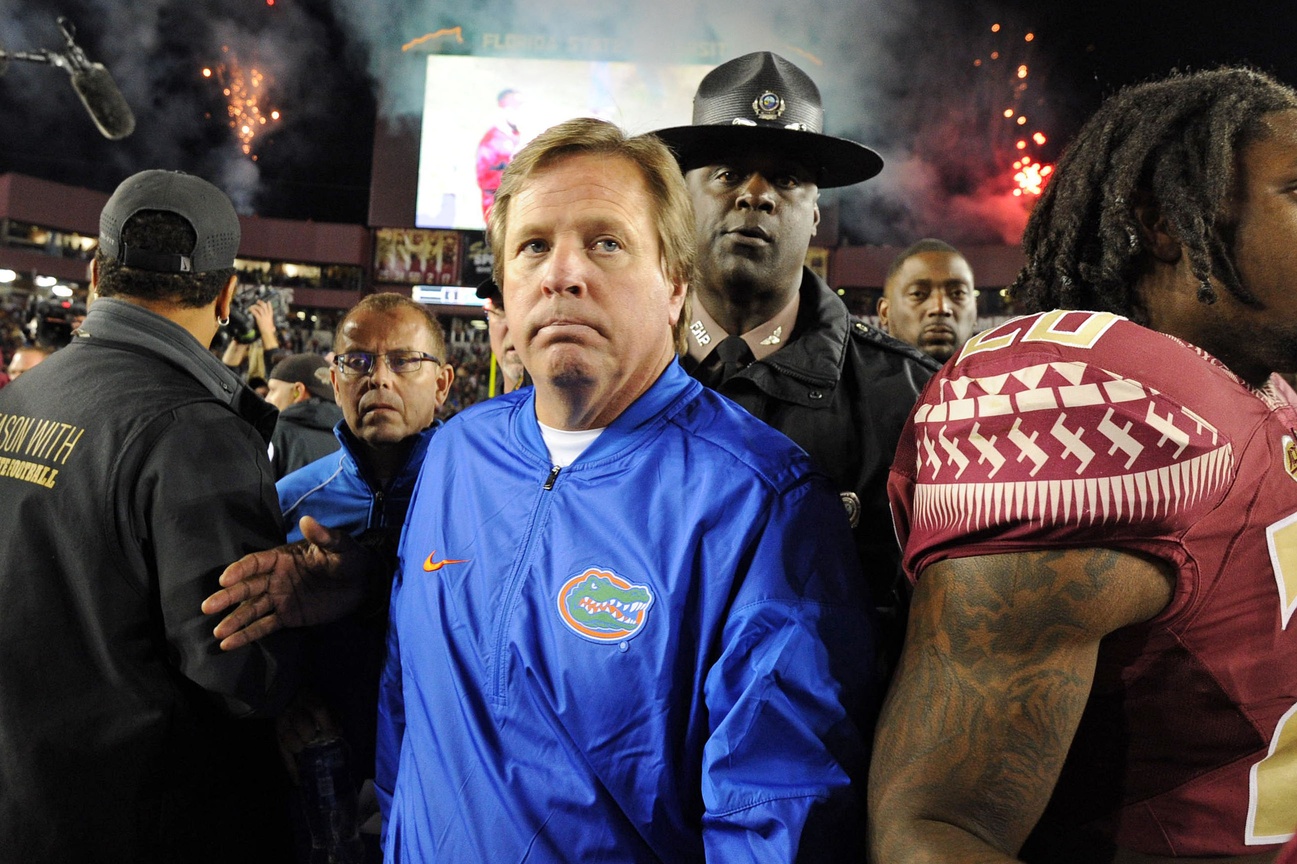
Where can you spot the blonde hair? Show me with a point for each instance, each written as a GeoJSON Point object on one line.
{"type": "Point", "coordinates": [673, 213]}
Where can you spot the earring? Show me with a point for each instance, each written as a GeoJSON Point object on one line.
{"type": "Point", "coordinates": [223, 320]}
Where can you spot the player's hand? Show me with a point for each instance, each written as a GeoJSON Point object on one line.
{"type": "Point", "coordinates": [318, 579]}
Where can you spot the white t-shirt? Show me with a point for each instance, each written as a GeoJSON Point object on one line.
{"type": "Point", "coordinates": [566, 446]}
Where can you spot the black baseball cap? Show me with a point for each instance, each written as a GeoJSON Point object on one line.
{"type": "Point", "coordinates": [207, 209]}
{"type": "Point", "coordinates": [488, 290]}
{"type": "Point", "coordinates": [310, 370]}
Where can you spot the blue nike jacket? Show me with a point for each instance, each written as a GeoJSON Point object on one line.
{"type": "Point", "coordinates": [335, 492]}
{"type": "Point", "coordinates": [657, 653]}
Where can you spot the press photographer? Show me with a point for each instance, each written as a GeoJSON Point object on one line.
{"type": "Point", "coordinates": [258, 314]}
{"type": "Point", "coordinates": [243, 327]}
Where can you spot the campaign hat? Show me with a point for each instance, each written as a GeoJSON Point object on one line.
{"type": "Point", "coordinates": [763, 100]}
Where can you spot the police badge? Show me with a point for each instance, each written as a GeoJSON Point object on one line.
{"type": "Point", "coordinates": [852, 504]}
{"type": "Point", "coordinates": [768, 106]}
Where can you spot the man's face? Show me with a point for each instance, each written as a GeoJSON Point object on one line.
{"type": "Point", "coordinates": [497, 328]}
{"type": "Point", "coordinates": [756, 214]}
{"type": "Point", "coordinates": [384, 408]}
{"type": "Point", "coordinates": [1257, 341]}
{"type": "Point", "coordinates": [24, 359]}
{"type": "Point", "coordinates": [588, 301]}
{"type": "Point", "coordinates": [929, 302]}
{"type": "Point", "coordinates": [281, 394]}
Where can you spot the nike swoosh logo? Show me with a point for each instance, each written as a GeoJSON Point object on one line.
{"type": "Point", "coordinates": [431, 565]}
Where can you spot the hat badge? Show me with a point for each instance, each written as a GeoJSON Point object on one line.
{"type": "Point", "coordinates": [768, 106]}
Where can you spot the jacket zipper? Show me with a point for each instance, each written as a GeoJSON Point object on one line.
{"type": "Point", "coordinates": [514, 588]}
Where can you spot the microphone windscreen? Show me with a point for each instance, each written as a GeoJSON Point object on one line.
{"type": "Point", "coordinates": [106, 104]}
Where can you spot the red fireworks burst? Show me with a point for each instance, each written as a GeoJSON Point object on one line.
{"type": "Point", "coordinates": [1028, 174]}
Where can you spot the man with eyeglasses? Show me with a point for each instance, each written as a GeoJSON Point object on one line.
{"type": "Point", "coordinates": [389, 379]}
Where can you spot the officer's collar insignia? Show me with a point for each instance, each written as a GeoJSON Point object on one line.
{"type": "Point", "coordinates": [699, 331]}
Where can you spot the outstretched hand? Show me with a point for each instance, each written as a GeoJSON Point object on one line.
{"type": "Point", "coordinates": [313, 581]}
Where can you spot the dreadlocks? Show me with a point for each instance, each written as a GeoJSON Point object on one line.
{"type": "Point", "coordinates": [1173, 140]}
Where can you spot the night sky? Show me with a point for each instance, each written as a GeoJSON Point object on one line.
{"type": "Point", "coordinates": [897, 76]}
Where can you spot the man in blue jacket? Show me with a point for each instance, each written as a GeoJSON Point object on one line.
{"type": "Point", "coordinates": [389, 377]}
{"type": "Point", "coordinates": [668, 658]}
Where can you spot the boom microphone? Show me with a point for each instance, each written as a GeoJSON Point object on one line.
{"type": "Point", "coordinates": [94, 86]}
{"type": "Point", "coordinates": [106, 104]}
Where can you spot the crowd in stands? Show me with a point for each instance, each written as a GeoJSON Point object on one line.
{"type": "Point", "coordinates": [467, 347]}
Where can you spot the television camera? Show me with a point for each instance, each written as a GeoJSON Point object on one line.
{"type": "Point", "coordinates": [51, 320]}
{"type": "Point", "coordinates": [243, 327]}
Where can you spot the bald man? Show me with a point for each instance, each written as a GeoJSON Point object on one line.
{"type": "Point", "coordinates": [25, 358]}
{"type": "Point", "coordinates": [929, 300]}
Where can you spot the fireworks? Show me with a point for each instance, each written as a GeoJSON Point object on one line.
{"type": "Point", "coordinates": [243, 91]}
{"type": "Point", "coordinates": [1028, 174]}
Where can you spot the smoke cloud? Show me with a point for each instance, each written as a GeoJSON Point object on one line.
{"type": "Point", "coordinates": [897, 78]}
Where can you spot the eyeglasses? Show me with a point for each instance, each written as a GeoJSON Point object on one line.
{"type": "Point", "coordinates": [356, 363]}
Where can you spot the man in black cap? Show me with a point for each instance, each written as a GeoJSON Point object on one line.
{"type": "Point", "coordinates": [132, 469]}
{"type": "Point", "coordinates": [301, 388]}
{"type": "Point", "coordinates": [769, 333]}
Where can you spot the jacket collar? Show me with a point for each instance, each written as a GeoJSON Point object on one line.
{"type": "Point", "coordinates": [819, 345]}
{"type": "Point", "coordinates": [763, 340]}
{"type": "Point", "coordinates": [314, 412]}
{"type": "Point", "coordinates": [671, 389]}
{"type": "Point", "coordinates": [133, 328]}
{"type": "Point", "coordinates": [351, 446]}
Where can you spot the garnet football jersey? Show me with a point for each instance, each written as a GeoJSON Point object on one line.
{"type": "Point", "coordinates": [1289, 854]}
{"type": "Point", "coordinates": [1082, 429]}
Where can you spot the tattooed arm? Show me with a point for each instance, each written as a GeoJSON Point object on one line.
{"type": "Point", "coordinates": [997, 667]}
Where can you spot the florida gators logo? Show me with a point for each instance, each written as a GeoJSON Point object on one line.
{"type": "Point", "coordinates": [601, 606]}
